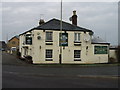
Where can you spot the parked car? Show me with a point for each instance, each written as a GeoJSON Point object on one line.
{"type": "Point", "coordinates": [13, 49]}
{"type": "Point", "coordinates": [2, 49]}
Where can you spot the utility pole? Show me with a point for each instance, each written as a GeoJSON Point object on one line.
{"type": "Point", "coordinates": [60, 58]}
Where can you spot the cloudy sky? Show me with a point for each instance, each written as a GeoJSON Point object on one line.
{"type": "Point", "coordinates": [101, 17]}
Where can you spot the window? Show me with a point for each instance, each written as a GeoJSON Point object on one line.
{"type": "Point", "coordinates": [49, 36]}
{"type": "Point", "coordinates": [49, 53]}
{"type": "Point", "coordinates": [77, 37]}
{"type": "Point", "coordinates": [77, 53]}
{"type": "Point", "coordinates": [28, 39]}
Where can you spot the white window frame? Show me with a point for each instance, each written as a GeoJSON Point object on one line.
{"type": "Point", "coordinates": [49, 54]}
{"type": "Point", "coordinates": [78, 54]}
{"type": "Point", "coordinates": [77, 37]}
{"type": "Point", "coordinates": [50, 35]}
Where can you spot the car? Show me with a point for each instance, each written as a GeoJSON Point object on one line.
{"type": "Point", "coordinates": [2, 49]}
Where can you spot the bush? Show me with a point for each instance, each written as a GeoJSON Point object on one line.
{"type": "Point", "coordinates": [18, 54]}
{"type": "Point", "coordinates": [112, 60]}
{"type": "Point", "coordinates": [28, 59]}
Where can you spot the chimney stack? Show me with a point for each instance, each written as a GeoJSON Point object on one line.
{"type": "Point", "coordinates": [41, 21]}
{"type": "Point", "coordinates": [74, 18]}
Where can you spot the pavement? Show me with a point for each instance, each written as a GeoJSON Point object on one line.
{"type": "Point", "coordinates": [17, 73]}
{"type": "Point", "coordinates": [9, 59]}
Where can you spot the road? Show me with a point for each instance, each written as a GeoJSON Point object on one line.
{"type": "Point", "coordinates": [18, 74]}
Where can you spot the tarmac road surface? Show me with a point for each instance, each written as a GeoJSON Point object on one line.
{"type": "Point", "coordinates": [18, 74]}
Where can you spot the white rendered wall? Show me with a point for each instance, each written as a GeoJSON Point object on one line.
{"type": "Point", "coordinates": [38, 48]}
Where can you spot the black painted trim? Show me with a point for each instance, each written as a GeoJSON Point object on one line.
{"type": "Point", "coordinates": [49, 43]}
{"type": "Point", "coordinates": [77, 44]}
{"type": "Point", "coordinates": [48, 59]}
{"type": "Point", "coordinates": [101, 43]}
{"type": "Point", "coordinates": [77, 59]}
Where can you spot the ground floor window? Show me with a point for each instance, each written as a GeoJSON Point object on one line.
{"type": "Point", "coordinates": [77, 55]}
{"type": "Point", "coordinates": [49, 54]}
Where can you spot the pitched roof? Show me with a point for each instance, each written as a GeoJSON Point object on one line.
{"type": "Point", "coordinates": [54, 24]}
{"type": "Point", "coordinates": [14, 37]}
{"type": "Point", "coordinates": [98, 40]}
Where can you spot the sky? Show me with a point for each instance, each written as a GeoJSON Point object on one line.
{"type": "Point", "coordinates": [100, 17]}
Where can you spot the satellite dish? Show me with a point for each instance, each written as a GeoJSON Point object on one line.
{"type": "Point", "coordinates": [86, 37]}
{"type": "Point", "coordinates": [70, 18]}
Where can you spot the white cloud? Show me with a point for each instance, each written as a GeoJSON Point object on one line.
{"type": "Point", "coordinates": [100, 17]}
{"type": "Point", "coordinates": [21, 10]}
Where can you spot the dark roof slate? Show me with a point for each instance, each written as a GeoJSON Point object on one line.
{"type": "Point", "coordinates": [54, 24]}
{"type": "Point", "coordinates": [98, 40]}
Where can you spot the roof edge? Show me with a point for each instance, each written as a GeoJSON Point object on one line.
{"type": "Point", "coordinates": [101, 43]}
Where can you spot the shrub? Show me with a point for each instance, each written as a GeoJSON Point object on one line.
{"type": "Point", "coordinates": [112, 60]}
{"type": "Point", "coordinates": [28, 59]}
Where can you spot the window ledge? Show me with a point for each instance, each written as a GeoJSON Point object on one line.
{"type": "Point", "coordinates": [77, 42]}
{"type": "Point", "coordinates": [77, 59]}
{"type": "Point", "coordinates": [48, 41]}
{"type": "Point", "coordinates": [49, 59]}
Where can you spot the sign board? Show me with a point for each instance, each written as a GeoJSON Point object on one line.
{"type": "Point", "coordinates": [28, 39]}
{"type": "Point", "coordinates": [63, 39]}
{"type": "Point", "coordinates": [100, 50]}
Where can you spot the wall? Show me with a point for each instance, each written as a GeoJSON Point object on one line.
{"type": "Point", "coordinates": [87, 56]}
{"type": "Point", "coordinates": [22, 46]}
{"type": "Point", "coordinates": [11, 44]}
{"type": "Point", "coordinates": [97, 58]}
{"type": "Point", "coordinates": [113, 55]}
{"type": "Point", "coordinates": [37, 49]}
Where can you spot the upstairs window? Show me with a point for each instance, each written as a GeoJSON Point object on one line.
{"type": "Point", "coordinates": [28, 39]}
{"type": "Point", "coordinates": [77, 37]}
{"type": "Point", "coordinates": [49, 36]}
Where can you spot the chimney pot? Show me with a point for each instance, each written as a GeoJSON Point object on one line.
{"type": "Point", "coordinates": [74, 12]}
